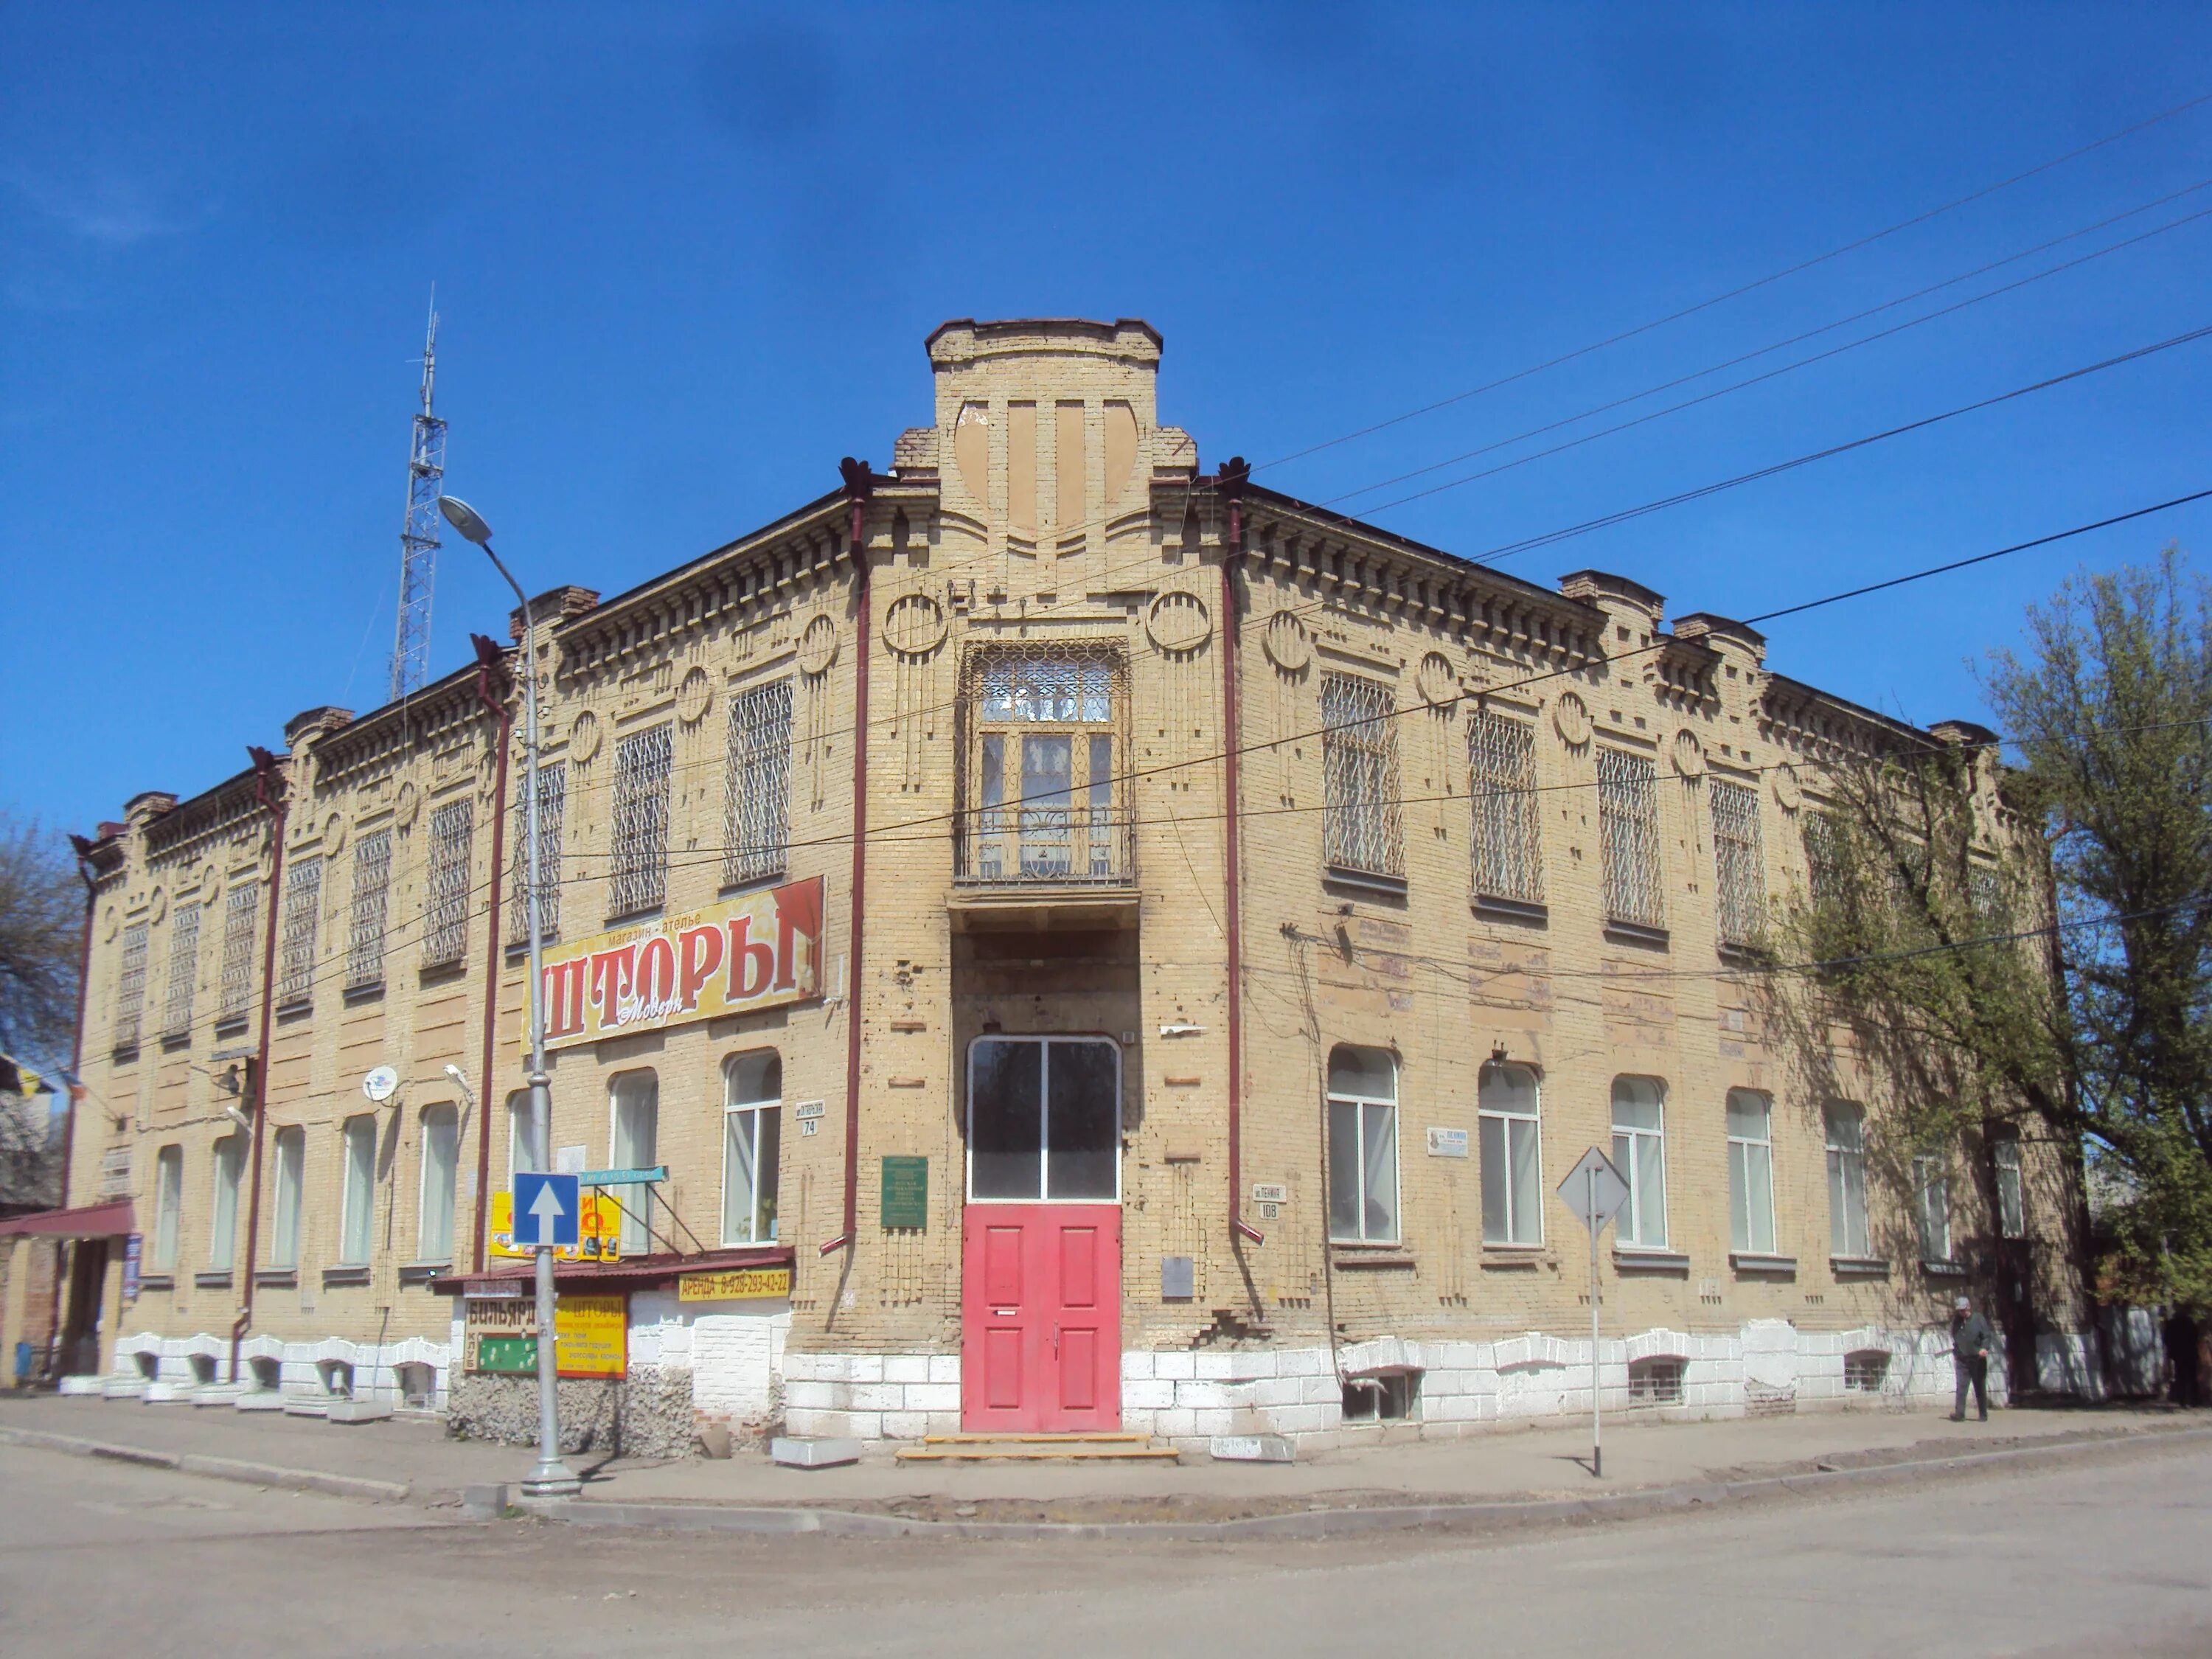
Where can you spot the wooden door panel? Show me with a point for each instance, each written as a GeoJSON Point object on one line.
{"type": "Point", "coordinates": [1041, 1314]}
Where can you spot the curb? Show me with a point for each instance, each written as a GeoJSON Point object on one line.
{"type": "Point", "coordinates": [1312, 1524]}
{"type": "Point", "coordinates": [214, 1469]}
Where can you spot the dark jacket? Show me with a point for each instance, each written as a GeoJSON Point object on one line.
{"type": "Point", "coordinates": [1971, 1338]}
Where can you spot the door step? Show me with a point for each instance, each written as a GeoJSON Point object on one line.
{"type": "Point", "coordinates": [1037, 1448]}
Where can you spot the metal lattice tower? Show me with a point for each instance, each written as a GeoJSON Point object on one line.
{"type": "Point", "coordinates": [418, 539]}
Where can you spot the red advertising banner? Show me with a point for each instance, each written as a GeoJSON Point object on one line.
{"type": "Point", "coordinates": [761, 951]}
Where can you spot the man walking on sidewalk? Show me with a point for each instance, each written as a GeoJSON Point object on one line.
{"type": "Point", "coordinates": [1969, 1358]}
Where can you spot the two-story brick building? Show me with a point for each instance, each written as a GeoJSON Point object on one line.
{"type": "Point", "coordinates": [1088, 942]}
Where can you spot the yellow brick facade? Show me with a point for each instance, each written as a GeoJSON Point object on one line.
{"type": "Point", "coordinates": [1046, 513]}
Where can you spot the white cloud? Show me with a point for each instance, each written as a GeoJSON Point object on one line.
{"type": "Point", "coordinates": [111, 211]}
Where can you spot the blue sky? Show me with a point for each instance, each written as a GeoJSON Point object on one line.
{"type": "Point", "coordinates": [685, 259]}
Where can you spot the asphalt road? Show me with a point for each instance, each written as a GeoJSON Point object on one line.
{"type": "Point", "coordinates": [2110, 1557]}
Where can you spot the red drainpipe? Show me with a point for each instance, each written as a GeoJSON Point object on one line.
{"type": "Point", "coordinates": [859, 482]}
{"type": "Point", "coordinates": [491, 660]}
{"type": "Point", "coordinates": [1234, 473]}
{"type": "Point", "coordinates": [268, 790]}
{"type": "Point", "coordinates": [82, 848]}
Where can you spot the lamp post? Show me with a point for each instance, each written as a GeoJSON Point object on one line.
{"type": "Point", "coordinates": [551, 1478]}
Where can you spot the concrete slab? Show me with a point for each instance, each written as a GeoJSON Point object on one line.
{"type": "Point", "coordinates": [1251, 1449]}
{"type": "Point", "coordinates": [84, 1386]}
{"type": "Point", "coordinates": [167, 1393]}
{"type": "Point", "coordinates": [306, 1405]}
{"type": "Point", "coordinates": [796, 1453]}
{"type": "Point", "coordinates": [260, 1400]}
{"type": "Point", "coordinates": [357, 1411]}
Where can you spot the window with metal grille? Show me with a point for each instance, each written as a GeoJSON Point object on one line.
{"type": "Point", "coordinates": [446, 909]}
{"type": "Point", "coordinates": [637, 863]}
{"type": "Point", "coordinates": [1501, 789]}
{"type": "Point", "coordinates": [303, 905]}
{"type": "Point", "coordinates": [1360, 826]}
{"type": "Point", "coordinates": [1865, 1370]}
{"type": "Point", "coordinates": [552, 809]}
{"type": "Point", "coordinates": [372, 902]}
{"type": "Point", "coordinates": [1628, 831]}
{"type": "Point", "coordinates": [130, 986]}
{"type": "Point", "coordinates": [184, 969]}
{"type": "Point", "coordinates": [1044, 735]}
{"type": "Point", "coordinates": [238, 912]}
{"type": "Point", "coordinates": [1656, 1381]}
{"type": "Point", "coordinates": [1738, 864]}
{"type": "Point", "coordinates": [1824, 857]}
{"type": "Point", "coordinates": [757, 811]}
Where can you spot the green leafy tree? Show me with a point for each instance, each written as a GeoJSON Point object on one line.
{"type": "Point", "coordinates": [2029, 948]}
{"type": "Point", "coordinates": [41, 922]}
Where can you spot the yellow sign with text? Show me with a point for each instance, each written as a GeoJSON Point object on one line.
{"type": "Point", "coordinates": [759, 951]}
{"type": "Point", "coordinates": [734, 1284]}
{"type": "Point", "coordinates": [598, 1231]}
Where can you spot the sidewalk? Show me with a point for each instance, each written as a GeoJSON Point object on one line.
{"type": "Point", "coordinates": [1531, 1464]}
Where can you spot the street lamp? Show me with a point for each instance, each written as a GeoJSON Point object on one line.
{"type": "Point", "coordinates": [551, 1478]}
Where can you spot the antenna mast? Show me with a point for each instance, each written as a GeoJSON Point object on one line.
{"type": "Point", "coordinates": [418, 539]}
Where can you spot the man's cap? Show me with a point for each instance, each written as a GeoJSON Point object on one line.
{"type": "Point", "coordinates": [1962, 1304]}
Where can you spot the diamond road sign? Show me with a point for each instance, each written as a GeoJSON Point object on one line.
{"type": "Point", "coordinates": [548, 1209]}
{"type": "Point", "coordinates": [1594, 1189]}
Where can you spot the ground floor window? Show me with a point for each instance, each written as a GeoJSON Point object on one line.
{"type": "Point", "coordinates": [291, 1147]}
{"type": "Point", "coordinates": [632, 1136]}
{"type": "Point", "coordinates": [168, 1200]}
{"type": "Point", "coordinates": [1044, 1119]}
{"type": "Point", "coordinates": [223, 1220]}
{"type": "Point", "coordinates": [1847, 1201]}
{"type": "Point", "coordinates": [1751, 1173]}
{"type": "Point", "coordinates": [1362, 1145]}
{"type": "Point", "coordinates": [1512, 1170]}
{"type": "Point", "coordinates": [357, 1208]}
{"type": "Point", "coordinates": [2012, 1197]}
{"type": "Point", "coordinates": [441, 1143]}
{"type": "Point", "coordinates": [1932, 1206]}
{"type": "Point", "coordinates": [752, 1095]}
{"type": "Point", "coordinates": [1639, 1149]}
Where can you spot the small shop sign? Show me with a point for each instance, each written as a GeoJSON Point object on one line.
{"type": "Point", "coordinates": [591, 1335]}
{"type": "Point", "coordinates": [734, 1284]}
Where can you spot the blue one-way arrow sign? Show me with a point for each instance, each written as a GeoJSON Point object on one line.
{"type": "Point", "coordinates": [547, 1210]}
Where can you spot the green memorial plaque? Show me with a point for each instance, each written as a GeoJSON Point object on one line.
{"type": "Point", "coordinates": [906, 1193]}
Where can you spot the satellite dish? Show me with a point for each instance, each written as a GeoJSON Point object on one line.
{"type": "Point", "coordinates": [380, 1085]}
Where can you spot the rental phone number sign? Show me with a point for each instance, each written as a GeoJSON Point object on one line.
{"type": "Point", "coordinates": [760, 951]}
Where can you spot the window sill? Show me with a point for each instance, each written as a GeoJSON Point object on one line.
{"type": "Point", "coordinates": [1354, 1253]}
{"type": "Point", "coordinates": [276, 1278]}
{"type": "Point", "coordinates": [156, 1282]}
{"type": "Point", "coordinates": [289, 1013]}
{"type": "Point", "coordinates": [1859, 1267]}
{"type": "Point", "coordinates": [421, 1273]}
{"type": "Point", "coordinates": [730, 888]}
{"type": "Point", "coordinates": [1365, 881]}
{"type": "Point", "coordinates": [434, 971]}
{"type": "Point", "coordinates": [644, 912]}
{"type": "Point", "coordinates": [1744, 956]}
{"type": "Point", "coordinates": [172, 1041]}
{"type": "Point", "coordinates": [336, 1277]}
{"type": "Point", "coordinates": [369, 990]}
{"type": "Point", "coordinates": [1506, 909]}
{"type": "Point", "coordinates": [1509, 1256]}
{"type": "Point", "coordinates": [123, 1053]}
{"type": "Point", "coordinates": [1752, 1262]}
{"type": "Point", "coordinates": [1649, 1261]}
{"type": "Point", "coordinates": [230, 1025]}
{"type": "Point", "coordinates": [1635, 932]}
{"type": "Point", "coordinates": [217, 1279]}
{"type": "Point", "coordinates": [1944, 1269]}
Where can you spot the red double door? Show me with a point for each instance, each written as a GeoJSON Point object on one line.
{"type": "Point", "coordinates": [1041, 1317]}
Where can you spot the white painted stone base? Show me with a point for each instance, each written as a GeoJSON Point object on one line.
{"type": "Point", "coordinates": [871, 1396]}
{"type": "Point", "coordinates": [300, 1368]}
{"type": "Point", "coordinates": [1764, 1366]}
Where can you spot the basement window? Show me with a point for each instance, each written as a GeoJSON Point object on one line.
{"type": "Point", "coordinates": [1386, 1398]}
{"type": "Point", "coordinates": [1656, 1381]}
{"type": "Point", "coordinates": [1865, 1371]}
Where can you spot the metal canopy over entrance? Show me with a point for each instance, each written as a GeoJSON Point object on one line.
{"type": "Point", "coordinates": [1040, 1236]}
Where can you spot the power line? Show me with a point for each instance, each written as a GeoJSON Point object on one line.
{"type": "Point", "coordinates": [1748, 288]}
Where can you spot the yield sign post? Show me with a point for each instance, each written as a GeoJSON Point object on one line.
{"type": "Point", "coordinates": [548, 1209]}
{"type": "Point", "coordinates": [1595, 1190]}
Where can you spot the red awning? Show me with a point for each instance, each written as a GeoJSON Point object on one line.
{"type": "Point", "coordinates": [640, 1273]}
{"type": "Point", "coordinates": [110, 1220]}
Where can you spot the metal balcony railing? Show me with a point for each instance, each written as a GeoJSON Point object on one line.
{"type": "Point", "coordinates": [1032, 847]}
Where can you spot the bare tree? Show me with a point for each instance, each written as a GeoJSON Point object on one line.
{"type": "Point", "coordinates": [41, 922]}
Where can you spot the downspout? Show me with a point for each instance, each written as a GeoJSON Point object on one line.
{"type": "Point", "coordinates": [82, 848]}
{"type": "Point", "coordinates": [268, 790]}
{"type": "Point", "coordinates": [1234, 473]}
{"type": "Point", "coordinates": [859, 484]}
{"type": "Point", "coordinates": [490, 660]}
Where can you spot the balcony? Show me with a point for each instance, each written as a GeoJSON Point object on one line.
{"type": "Point", "coordinates": [1043, 836]}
